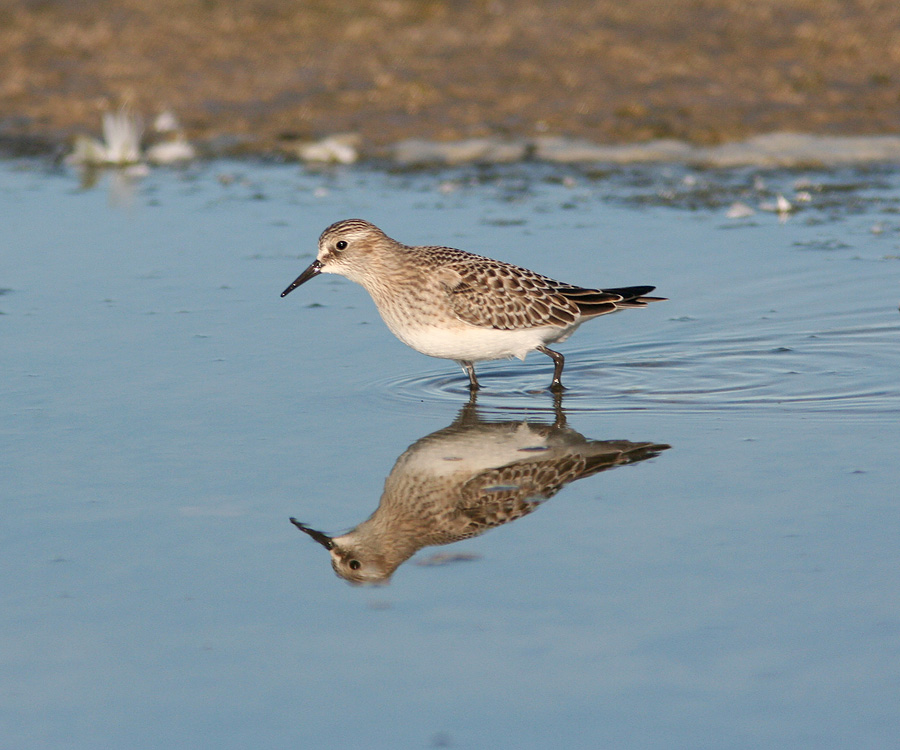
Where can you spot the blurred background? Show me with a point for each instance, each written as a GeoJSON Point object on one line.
{"type": "Point", "coordinates": [256, 75]}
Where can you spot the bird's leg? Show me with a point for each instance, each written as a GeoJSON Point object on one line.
{"type": "Point", "coordinates": [470, 371]}
{"type": "Point", "coordinates": [558, 362]}
{"type": "Point", "coordinates": [468, 415]}
{"type": "Point", "coordinates": [558, 411]}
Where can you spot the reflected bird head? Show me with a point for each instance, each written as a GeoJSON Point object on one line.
{"type": "Point", "coordinates": [349, 559]}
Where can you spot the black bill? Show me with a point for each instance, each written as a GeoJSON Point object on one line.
{"type": "Point", "coordinates": [315, 268]}
{"type": "Point", "coordinates": [321, 538]}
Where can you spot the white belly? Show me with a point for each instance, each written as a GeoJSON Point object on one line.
{"type": "Point", "coordinates": [472, 344]}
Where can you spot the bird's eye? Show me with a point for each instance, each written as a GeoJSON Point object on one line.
{"type": "Point", "coordinates": [341, 244]}
{"type": "Point", "coordinates": [354, 564]}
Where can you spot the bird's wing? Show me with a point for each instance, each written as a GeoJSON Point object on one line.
{"type": "Point", "coordinates": [501, 495]}
{"type": "Point", "coordinates": [492, 294]}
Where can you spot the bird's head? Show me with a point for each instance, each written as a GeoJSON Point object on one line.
{"type": "Point", "coordinates": [345, 248]}
{"type": "Point", "coordinates": [350, 558]}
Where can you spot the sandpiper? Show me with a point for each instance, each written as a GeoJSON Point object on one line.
{"type": "Point", "coordinates": [456, 305]}
{"type": "Point", "coordinates": [461, 481]}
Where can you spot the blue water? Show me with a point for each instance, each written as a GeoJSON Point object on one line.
{"type": "Point", "coordinates": [164, 413]}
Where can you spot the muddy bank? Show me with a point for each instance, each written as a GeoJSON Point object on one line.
{"type": "Point", "coordinates": [258, 76]}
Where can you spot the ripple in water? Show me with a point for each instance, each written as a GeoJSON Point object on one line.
{"type": "Point", "coordinates": [850, 370]}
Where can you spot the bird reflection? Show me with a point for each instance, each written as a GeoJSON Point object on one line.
{"type": "Point", "coordinates": [467, 478]}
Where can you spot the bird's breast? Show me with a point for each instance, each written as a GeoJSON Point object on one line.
{"type": "Point", "coordinates": [420, 315]}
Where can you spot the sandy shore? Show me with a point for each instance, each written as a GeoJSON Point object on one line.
{"type": "Point", "coordinates": [255, 76]}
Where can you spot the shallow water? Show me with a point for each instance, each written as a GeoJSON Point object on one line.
{"type": "Point", "coordinates": [165, 413]}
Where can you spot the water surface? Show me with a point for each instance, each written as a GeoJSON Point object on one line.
{"type": "Point", "coordinates": [165, 413]}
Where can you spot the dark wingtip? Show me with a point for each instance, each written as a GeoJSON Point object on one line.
{"type": "Point", "coordinates": [630, 292]}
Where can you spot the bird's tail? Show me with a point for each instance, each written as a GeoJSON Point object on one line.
{"type": "Point", "coordinates": [634, 296]}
